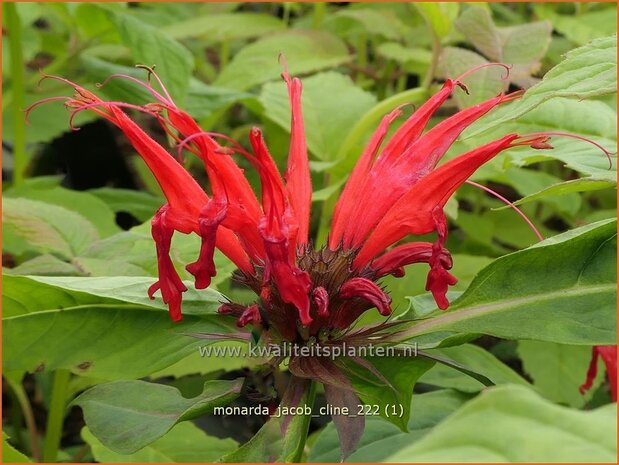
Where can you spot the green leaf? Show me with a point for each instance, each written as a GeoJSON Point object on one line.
{"type": "Point", "coordinates": [529, 182]}
{"type": "Point", "coordinates": [581, 28]}
{"type": "Point", "coordinates": [226, 26]}
{"type": "Point", "coordinates": [588, 71]}
{"type": "Point", "coordinates": [566, 188]}
{"type": "Point", "coordinates": [146, 411]}
{"type": "Point", "coordinates": [45, 265]}
{"type": "Point", "coordinates": [380, 23]}
{"type": "Point", "coordinates": [140, 204]}
{"type": "Point", "coordinates": [558, 370]}
{"type": "Point", "coordinates": [404, 55]}
{"type": "Point", "coordinates": [482, 85]}
{"type": "Point", "coordinates": [305, 52]}
{"type": "Point", "coordinates": [543, 431]}
{"type": "Point", "coordinates": [32, 225]}
{"type": "Point", "coordinates": [195, 362]}
{"type": "Point", "coordinates": [151, 46]}
{"type": "Point", "coordinates": [10, 454]}
{"type": "Point", "coordinates": [282, 437]}
{"type": "Point", "coordinates": [87, 205]}
{"type": "Point", "coordinates": [474, 358]}
{"type": "Point", "coordinates": [106, 289]}
{"type": "Point", "coordinates": [324, 140]}
{"type": "Point", "coordinates": [45, 122]}
{"type": "Point", "coordinates": [393, 400]}
{"type": "Point", "coordinates": [381, 438]}
{"type": "Point", "coordinates": [478, 27]}
{"type": "Point", "coordinates": [439, 15]}
{"type": "Point", "coordinates": [591, 119]}
{"type": "Point", "coordinates": [525, 44]}
{"type": "Point", "coordinates": [202, 100]}
{"type": "Point", "coordinates": [561, 290]}
{"type": "Point", "coordinates": [113, 331]}
{"type": "Point", "coordinates": [184, 443]}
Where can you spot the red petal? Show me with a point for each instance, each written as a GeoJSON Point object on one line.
{"type": "Point", "coordinates": [321, 299]}
{"type": "Point", "coordinates": [182, 191]}
{"type": "Point", "coordinates": [412, 213]}
{"type": "Point", "coordinates": [185, 197]}
{"type": "Point", "coordinates": [368, 290]}
{"type": "Point", "coordinates": [250, 315]}
{"type": "Point", "coordinates": [609, 357]}
{"type": "Point", "coordinates": [169, 281]}
{"type": "Point", "coordinates": [292, 283]}
{"type": "Point", "coordinates": [349, 200]}
{"type": "Point", "coordinates": [298, 181]}
{"type": "Point", "coordinates": [393, 261]}
{"type": "Point", "coordinates": [352, 201]}
{"type": "Point", "coordinates": [210, 218]}
{"type": "Point", "coordinates": [403, 169]}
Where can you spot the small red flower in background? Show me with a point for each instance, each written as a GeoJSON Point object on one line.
{"type": "Point", "coordinates": [609, 357]}
{"type": "Point", "coordinates": [393, 192]}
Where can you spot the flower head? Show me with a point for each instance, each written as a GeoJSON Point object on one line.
{"type": "Point", "coordinates": [396, 190]}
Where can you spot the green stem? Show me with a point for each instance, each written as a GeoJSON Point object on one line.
{"type": "Point", "coordinates": [287, 10]}
{"type": "Point", "coordinates": [55, 418]}
{"type": "Point", "coordinates": [311, 397]}
{"type": "Point", "coordinates": [436, 53]}
{"type": "Point", "coordinates": [224, 54]}
{"type": "Point", "coordinates": [320, 10]}
{"type": "Point", "coordinates": [20, 157]}
{"type": "Point", "coordinates": [24, 404]}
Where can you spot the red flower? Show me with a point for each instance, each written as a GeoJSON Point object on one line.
{"type": "Point", "coordinates": [392, 193]}
{"type": "Point", "coordinates": [609, 357]}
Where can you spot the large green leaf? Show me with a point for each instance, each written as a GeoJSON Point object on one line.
{"type": "Point", "coordinates": [151, 46]}
{"type": "Point", "coordinates": [305, 51]}
{"type": "Point", "coordinates": [128, 415]}
{"type": "Point", "coordinates": [392, 401]}
{"type": "Point", "coordinates": [381, 438]}
{"type": "Point", "coordinates": [562, 290]}
{"type": "Point", "coordinates": [586, 72]}
{"type": "Point", "coordinates": [40, 293]}
{"type": "Point", "coordinates": [10, 454]}
{"type": "Point", "coordinates": [566, 188]}
{"type": "Point", "coordinates": [521, 47]}
{"type": "Point", "coordinates": [368, 21]}
{"type": "Point", "coordinates": [514, 424]}
{"type": "Point", "coordinates": [202, 100]}
{"type": "Point", "coordinates": [32, 225]}
{"type": "Point", "coordinates": [140, 204]}
{"type": "Point", "coordinates": [439, 15]}
{"type": "Point", "coordinates": [319, 106]}
{"type": "Point", "coordinates": [225, 26]}
{"type": "Point", "coordinates": [558, 370]}
{"type": "Point", "coordinates": [474, 358]}
{"type": "Point", "coordinates": [98, 333]}
{"type": "Point", "coordinates": [184, 443]}
{"type": "Point", "coordinates": [580, 28]}
{"type": "Point", "coordinates": [84, 203]}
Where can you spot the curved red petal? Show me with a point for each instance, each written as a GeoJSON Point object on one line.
{"type": "Point", "coordinates": [368, 290]}
{"type": "Point", "coordinates": [298, 180]}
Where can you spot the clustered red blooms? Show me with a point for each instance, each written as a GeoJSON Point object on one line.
{"type": "Point", "coordinates": [395, 190]}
